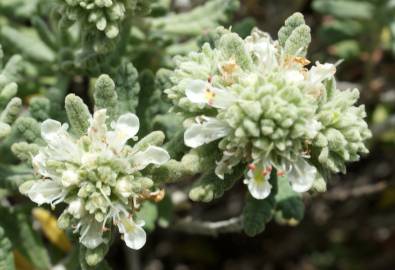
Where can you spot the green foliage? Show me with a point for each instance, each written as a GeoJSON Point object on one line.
{"type": "Point", "coordinates": [358, 26]}
{"type": "Point", "coordinates": [288, 202]}
{"type": "Point", "coordinates": [256, 214]}
{"type": "Point", "coordinates": [127, 87]}
{"type": "Point", "coordinates": [39, 108]}
{"type": "Point", "coordinates": [6, 256]}
{"type": "Point", "coordinates": [77, 113]}
{"type": "Point", "coordinates": [105, 96]}
{"type": "Point", "coordinates": [18, 228]}
{"type": "Point", "coordinates": [209, 187]}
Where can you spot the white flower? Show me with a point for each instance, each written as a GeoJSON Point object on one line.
{"type": "Point", "coordinates": [257, 181]}
{"type": "Point", "coordinates": [261, 45]}
{"type": "Point", "coordinates": [201, 92]}
{"type": "Point", "coordinates": [60, 143]}
{"type": "Point", "coordinates": [125, 128]}
{"type": "Point", "coordinates": [133, 233]}
{"type": "Point", "coordinates": [95, 174]}
{"type": "Point", "coordinates": [302, 175]}
{"type": "Point", "coordinates": [321, 72]}
{"type": "Point", "coordinates": [152, 155]}
{"type": "Point", "coordinates": [91, 233]}
{"type": "Point", "coordinates": [202, 133]}
{"type": "Point", "coordinates": [43, 191]}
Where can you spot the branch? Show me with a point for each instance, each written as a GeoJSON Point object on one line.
{"type": "Point", "coordinates": [341, 194]}
{"type": "Point", "coordinates": [190, 226]}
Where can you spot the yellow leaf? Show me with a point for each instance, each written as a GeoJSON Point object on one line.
{"type": "Point", "coordinates": [51, 230]}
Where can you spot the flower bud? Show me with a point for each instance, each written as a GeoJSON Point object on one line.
{"type": "Point", "coordinates": [124, 187]}
{"type": "Point", "coordinates": [76, 208]}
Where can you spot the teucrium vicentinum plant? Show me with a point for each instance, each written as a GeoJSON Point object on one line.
{"type": "Point", "coordinates": [92, 138]}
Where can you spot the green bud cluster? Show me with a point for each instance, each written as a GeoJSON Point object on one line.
{"type": "Point", "coordinates": [10, 106]}
{"type": "Point", "coordinates": [344, 130]}
{"type": "Point", "coordinates": [105, 15]}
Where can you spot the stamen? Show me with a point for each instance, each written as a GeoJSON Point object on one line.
{"type": "Point", "coordinates": [251, 166]}
{"type": "Point", "coordinates": [209, 96]}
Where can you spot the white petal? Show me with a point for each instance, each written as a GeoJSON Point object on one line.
{"type": "Point", "coordinates": [39, 164]}
{"type": "Point", "coordinates": [222, 98]}
{"type": "Point", "coordinates": [50, 130]}
{"type": "Point", "coordinates": [202, 92]}
{"type": "Point", "coordinates": [91, 235]}
{"type": "Point", "coordinates": [76, 208]}
{"type": "Point", "coordinates": [133, 235]}
{"type": "Point", "coordinates": [211, 130]}
{"type": "Point", "coordinates": [152, 155]}
{"type": "Point", "coordinates": [258, 185]}
{"type": "Point", "coordinates": [196, 91]}
{"type": "Point", "coordinates": [321, 72]}
{"type": "Point", "coordinates": [125, 128]}
{"type": "Point", "coordinates": [42, 191]}
{"type": "Point", "coordinates": [135, 239]}
{"type": "Point", "coordinates": [98, 128]}
{"type": "Point", "coordinates": [302, 176]}
{"type": "Point", "coordinates": [59, 141]}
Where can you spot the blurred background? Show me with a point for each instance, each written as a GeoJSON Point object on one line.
{"type": "Point", "coordinates": [349, 227]}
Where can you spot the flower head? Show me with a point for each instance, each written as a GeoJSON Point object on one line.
{"type": "Point", "coordinates": [97, 175]}
{"type": "Point", "coordinates": [265, 107]}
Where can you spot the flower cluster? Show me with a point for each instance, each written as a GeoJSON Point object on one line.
{"type": "Point", "coordinates": [98, 176]}
{"type": "Point", "coordinates": [10, 106]}
{"type": "Point", "coordinates": [105, 15]}
{"type": "Point", "coordinates": [268, 109]}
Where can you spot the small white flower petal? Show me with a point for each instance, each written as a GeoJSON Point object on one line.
{"type": "Point", "coordinates": [258, 185]}
{"type": "Point", "coordinates": [50, 130]}
{"type": "Point", "coordinates": [202, 92]}
{"type": "Point", "coordinates": [76, 208]}
{"type": "Point", "coordinates": [98, 128]}
{"type": "Point", "coordinates": [221, 98]}
{"type": "Point", "coordinates": [152, 155]}
{"type": "Point", "coordinates": [91, 234]}
{"type": "Point", "coordinates": [321, 72]}
{"type": "Point", "coordinates": [196, 91]}
{"type": "Point", "coordinates": [211, 130]}
{"type": "Point", "coordinates": [302, 176]}
{"type": "Point", "coordinates": [43, 191]}
{"type": "Point", "coordinates": [135, 239]}
{"type": "Point", "coordinates": [133, 234]}
{"type": "Point", "coordinates": [59, 141]}
{"type": "Point", "coordinates": [125, 128]}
